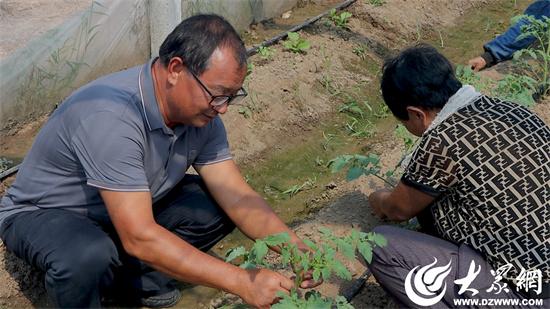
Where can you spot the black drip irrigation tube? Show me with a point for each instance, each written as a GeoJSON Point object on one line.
{"type": "Point", "coordinates": [9, 172]}
{"type": "Point", "coordinates": [359, 282]}
{"type": "Point", "coordinates": [251, 51]}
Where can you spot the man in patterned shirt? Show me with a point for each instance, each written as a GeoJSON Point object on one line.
{"type": "Point", "coordinates": [478, 183]}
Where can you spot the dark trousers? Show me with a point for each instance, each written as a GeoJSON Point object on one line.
{"type": "Point", "coordinates": [82, 256]}
{"type": "Point", "coordinates": [407, 250]}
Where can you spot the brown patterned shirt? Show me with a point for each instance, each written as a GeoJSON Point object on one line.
{"type": "Point", "coordinates": [488, 164]}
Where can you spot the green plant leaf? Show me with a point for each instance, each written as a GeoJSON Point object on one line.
{"type": "Point", "coordinates": [341, 270]}
{"type": "Point", "coordinates": [303, 45]}
{"type": "Point", "coordinates": [260, 250]}
{"type": "Point", "coordinates": [366, 251]}
{"type": "Point", "coordinates": [277, 239]}
{"type": "Point", "coordinates": [316, 274]}
{"type": "Point", "coordinates": [325, 271]}
{"type": "Point", "coordinates": [346, 249]}
{"type": "Point", "coordinates": [342, 303]}
{"type": "Point", "coordinates": [345, 15]}
{"type": "Point", "coordinates": [354, 173]}
{"type": "Point", "coordinates": [326, 232]}
{"type": "Point", "coordinates": [310, 244]}
{"type": "Point", "coordinates": [235, 253]}
{"type": "Point", "coordinates": [285, 256]}
{"type": "Point", "coordinates": [337, 164]}
{"type": "Point", "coordinates": [379, 240]}
{"type": "Point", "coordinates": [248, 265]}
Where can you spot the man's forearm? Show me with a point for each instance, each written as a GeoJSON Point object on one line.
{"type": "Point", "coordinates": [399, 204]}
{"type": "Point", "coordinates": [253, 216]}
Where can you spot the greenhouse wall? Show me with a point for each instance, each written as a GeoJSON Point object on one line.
{"type": "Point", "coordinates": [108, 36]}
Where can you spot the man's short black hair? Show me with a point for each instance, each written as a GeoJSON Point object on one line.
{"type": "Point", "coordinates": [195, 39]}
{"type": "Point", "coordinates": [419, 76]}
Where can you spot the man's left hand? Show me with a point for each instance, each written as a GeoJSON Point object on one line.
{"type": "Point", "coordinates": [376, 200]}
{"type": "Point", "coordinates": [307, 280]}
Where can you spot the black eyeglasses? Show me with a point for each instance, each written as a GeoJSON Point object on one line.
{"type": "Point", "coordinates": [219, 100]}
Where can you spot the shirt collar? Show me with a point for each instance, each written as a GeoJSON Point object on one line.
{"type": "Point", "coordinates": [464, 96]}
{"type": "Point", "coordinates": [149, 102]}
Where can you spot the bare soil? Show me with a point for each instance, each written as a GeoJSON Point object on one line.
{"type": "Point", "coordinates": [288, 104]}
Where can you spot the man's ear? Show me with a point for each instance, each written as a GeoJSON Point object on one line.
{"type": "Point", "coordinates": [176, 67]}
{"type": "Point", "coordinates": [416, 113]}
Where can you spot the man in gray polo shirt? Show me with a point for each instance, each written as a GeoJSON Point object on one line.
{"type": "Point", "coordinates": [102, 198]}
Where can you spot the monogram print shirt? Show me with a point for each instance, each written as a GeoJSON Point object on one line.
{"type": "Point", "coordinates": [488, 165]}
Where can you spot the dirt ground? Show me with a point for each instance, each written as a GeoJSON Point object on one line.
{"type": "Point", "coordinates": [287, 105]}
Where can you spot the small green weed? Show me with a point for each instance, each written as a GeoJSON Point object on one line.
{"type": "Point", "coordinates": [295, 189]}
{"type": "Point", "coordinates": [361, 51]}
{"type": "Point", "coordinates": [249, 106]}
{"type": "Point", "coordinates": [408, 139]}
{"type": "Point", "coordinates": [329, 85]}
{"type": "Point", "coordinates": [5, 164]}
{"type": "Point", "coordinates": [266, 53]}
{"type": "Point", "coordinates": [340, 20]}
{"type": "Point", "coordinates": [382, 112]}
{"type": "Point", "coordinates": [295, 43]}
{"type": "Point", "coordinates": [376, 2]}
{"type": "Point", "coordinates": [328, 138]}
{"type": "Point", "coordinates": [467, 76]}
{"type": "Point", "coordinates": [249, 68]}
{"type": "Point", "coordinates": [354, 109]}
{"type": "Point", "coordinates": [358, 128]}
{"type": "Point", "coordinates": [319, 161]}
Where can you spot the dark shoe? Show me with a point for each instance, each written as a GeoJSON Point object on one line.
{"type": "Point", "coordinates": [165, 300]}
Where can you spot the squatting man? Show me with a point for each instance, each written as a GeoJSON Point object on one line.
{"type": "Point", "coordinates": [102, 201]}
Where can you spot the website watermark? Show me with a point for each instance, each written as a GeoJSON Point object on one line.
{"type": "Point", "coordinates": [493, 302]}
{"type": "Point", "coordinates": [426, 286]}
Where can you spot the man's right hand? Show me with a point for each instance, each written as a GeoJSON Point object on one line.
{"type": "Point", "coordinates": [477, 63]}
{"type": "Point", "coordinates": [260, 287]}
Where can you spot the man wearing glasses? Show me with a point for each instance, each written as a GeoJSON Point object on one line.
{"type": "Point", "coordinates": [102, 199]}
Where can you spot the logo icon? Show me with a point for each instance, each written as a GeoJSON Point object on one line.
{"type": "Point", "coordinates": [427, 282]}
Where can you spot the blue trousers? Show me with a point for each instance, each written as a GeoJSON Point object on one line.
{"type": "Point", "coordinates": [82, 256]}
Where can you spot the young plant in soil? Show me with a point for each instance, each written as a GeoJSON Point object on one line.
{"type": "Point", "coordinates": [359, 165]}
{"type": "Point", "coordinates": [360, 51]}
{"type": "Point", "coordinates": [376, 2]}
{"type": "Point", "coordinates": [516, 88]}
{"type": "Point", "coordinates": [408, 139]}
{"type": "Point", "coordinates": [322, 261]}
{"type": "Point", "coordinates": [340, 20]}
{"type": "Point", "coordinates": [468, 77]}
{"type": "Point", "coordinates": [5, 164]}
{"type": "Point", "coordinates": [295, 43]}
{"type": "Point", "coordinates": [295, 189]}
{"type": "Point", "coordinates": [512, 87]}
{"type": "Point", "coordinates": [538, 52]}
{"type": "Point", "coordinates": [266, 53]}
{"type": "Point", "coordinates": [357, 128]}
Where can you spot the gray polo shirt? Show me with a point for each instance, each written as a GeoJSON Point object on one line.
{"type": "Point", "coordinates": [109, 134]}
